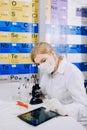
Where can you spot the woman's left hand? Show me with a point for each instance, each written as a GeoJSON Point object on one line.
{"type": "Point", "coordinates": [55, 105]}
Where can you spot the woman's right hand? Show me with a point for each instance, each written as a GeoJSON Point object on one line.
{"type": "Point", "coordinates": [39, 94]}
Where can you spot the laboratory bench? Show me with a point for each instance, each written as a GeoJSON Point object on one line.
{"type": "Point", "coordinates": [9, 110]}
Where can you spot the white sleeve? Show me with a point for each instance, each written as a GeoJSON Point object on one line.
{"type": "Point", "coordinates": [42, 82]}
{"type": "Point", "coordinates": [77, 90]}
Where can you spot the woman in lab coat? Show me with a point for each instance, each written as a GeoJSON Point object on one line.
{"type": "Point", "coordinates": [61, 82]}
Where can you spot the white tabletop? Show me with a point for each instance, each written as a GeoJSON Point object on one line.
{"type": "Point", "coordinates": [10, 121]}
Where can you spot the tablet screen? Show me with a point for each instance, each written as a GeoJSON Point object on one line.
{"type": "Point", "coordinates": [37, 116]}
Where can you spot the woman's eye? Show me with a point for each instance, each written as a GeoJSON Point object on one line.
{"type": "Point", "coordinates": [43, 60]}
{"type": "Point", "coordinates": [38, 64]}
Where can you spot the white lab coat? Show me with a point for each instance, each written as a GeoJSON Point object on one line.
{"type": "Point", "coordinates": [67, 85]}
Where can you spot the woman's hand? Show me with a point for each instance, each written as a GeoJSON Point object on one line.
{"type": "Point", "coordinates": [39, 94]}
{"type": "Point", "coordinates": [55, 105]}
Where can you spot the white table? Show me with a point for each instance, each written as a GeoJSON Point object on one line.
{"type": "Point", "coordinates": [10, 121]}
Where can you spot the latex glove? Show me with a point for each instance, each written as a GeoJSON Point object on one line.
{"type": "Point", "coordinates": [55, 105]}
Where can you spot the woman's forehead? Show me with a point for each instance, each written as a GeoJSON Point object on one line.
{"type": "Point", "coordinates": [40, 56]}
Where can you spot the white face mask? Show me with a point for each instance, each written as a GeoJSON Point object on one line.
{"type": "Point", "coordinates": [46, 67]}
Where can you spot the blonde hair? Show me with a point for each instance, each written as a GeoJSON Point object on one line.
{"type": "Point", "coordinates": [41, 48]}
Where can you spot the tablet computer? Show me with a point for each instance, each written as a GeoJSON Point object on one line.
{"type": "Point", "coordinates": [38, 116]}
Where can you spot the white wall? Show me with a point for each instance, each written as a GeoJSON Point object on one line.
{"type": "Point", "coordinates": [42, 28]}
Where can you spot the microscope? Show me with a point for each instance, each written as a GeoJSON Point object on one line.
{"type": "Point", "coordinates": [36, 95]}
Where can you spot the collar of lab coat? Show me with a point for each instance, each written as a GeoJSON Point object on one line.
{"type": "Point", "coordinates": [61, 67]}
